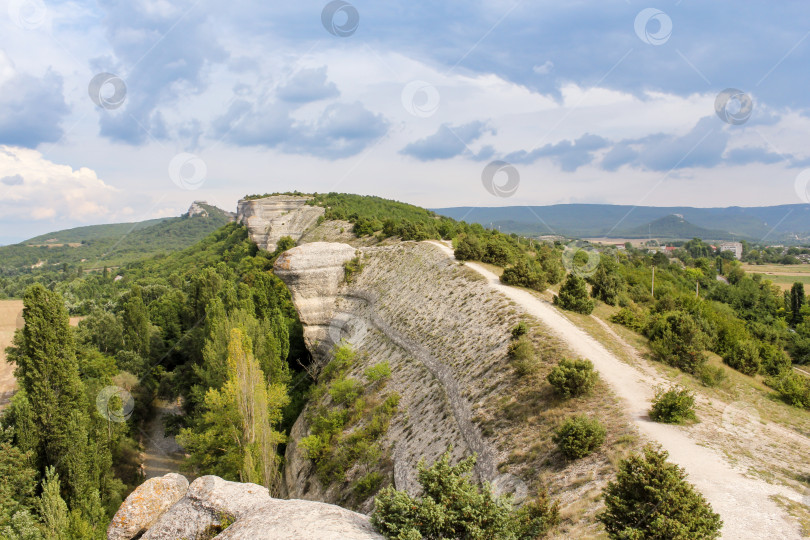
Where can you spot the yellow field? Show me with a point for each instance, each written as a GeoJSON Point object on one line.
{"type": "Point", "coordinates": [10, 320]}
{"type": "Point", "coordinates": [780, 274]}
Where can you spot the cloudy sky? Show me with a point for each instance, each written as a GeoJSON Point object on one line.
{"type": "Point", "coordinates": [130, 109]}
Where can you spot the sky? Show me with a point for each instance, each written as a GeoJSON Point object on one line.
{"type": "Point", "coordinates": [120, 110]}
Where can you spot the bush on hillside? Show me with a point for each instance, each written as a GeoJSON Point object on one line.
{"type": "Point", "coordinates": [792, 387]}
{"type": "Point", "coordinates": [451, 506]}
{"type": "Point", "coordinates": [525, 273]}
{"type": "Point", "coordinates": [651, 498]}
{"type": "Point", "coordinates": [572, 377]}
{"type": "Point", "coordinates": [673, 406]}
{"type": "Point", "coordinates": [574, 296]}
{"type": "Point", "coordinates": [677, 340]}
{"type": "Point", "coordinates": [744, 357]}
{"type": "Point", "coordinates": [521, 353]}
{"type": "Point", "coordinates": [579, 436]}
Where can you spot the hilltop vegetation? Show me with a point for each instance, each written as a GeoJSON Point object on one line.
{"type": "Point", "coordinates": [97, 247]}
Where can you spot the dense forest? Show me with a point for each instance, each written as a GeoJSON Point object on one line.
{"type": "Point", "coordinates": [209, 324]}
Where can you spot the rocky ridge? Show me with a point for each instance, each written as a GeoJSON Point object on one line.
{"type": "Point", "coordinates": [270, 218]}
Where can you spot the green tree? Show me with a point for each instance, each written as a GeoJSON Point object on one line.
{"type": "Point", "coordinates": [236, 436]}
{"type": "Point", "coordinates": [677, 340]}
{"type": "Point", "coordinates": [525, 273]}
{"type": "Point", "coordinates": [135, 322]}
{"type": "Point", "coordinates": [651, 498]}
{"type": "Point", "coordinates": [574, 296]}
{"type": "Point", "coordinates": [54, 419]}
{"type": "Point", "coordinates": [52, 507]}
{"type": "Point", "coordinates": [18, 484]}
{"type": "Point", "coordinates": [607, 283]}
{"type": "Point", "coordinates": [579, 436]}
{"type": "Point", "coordinates": [572, 378]}
{"type": "Point", "coordinates": [468, 248]}
{"type": "Point", "coordinates": [796, 303]}
{"type": "Point", "coordinates": [452, 506]}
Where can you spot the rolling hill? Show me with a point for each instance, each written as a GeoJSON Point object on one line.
{"type": "Point", "coordinates": [110, 245]}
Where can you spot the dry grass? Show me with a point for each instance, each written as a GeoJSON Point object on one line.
{"type": "Point", "coordinates": [10, 320]}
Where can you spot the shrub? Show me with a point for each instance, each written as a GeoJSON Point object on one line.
{"type": "Point", "coordinates": [574, 296]}
{"type": "Point", "coordinates": [345, 391]}
{"type": "Point", "coordinates": [523, 357]}
{"type": "Point", "coordinates": [792, 387]}
{"type": "Point", "coordinates": [711, 375]}
{"type": "Point", "coordinates": [673, 406]}
{"type": "Point", "coordinates": [351, 268]}
{"type": "Point", "coordinates": [377, 372]}
{"type": "Point", "coordinates": [744, 357]}
{"type": "Point", "coordinates": [676, 339]}
{"type": "Point", "coordinates": [579, 436]}
{"type": "Point", "coordinates": [652, 499]}
{"type": "Point", "coordinates": [525, 273]}
{"type": "Point", "coordinates": [632, 318]}
{"type": "Point", "coordinates": [520, 330]}
{"type": "Point", "coordinates": [572, 377]}
{"type": "Point", "coordinates": [451, 506]}
{"type": "Point", "coordinates": [468, 248]}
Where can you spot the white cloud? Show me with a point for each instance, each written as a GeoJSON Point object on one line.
{"type": "Point", "coordinates": [42, 189]}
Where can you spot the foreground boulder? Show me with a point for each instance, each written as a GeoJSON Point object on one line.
{"type": "Point", "coordinates": [215, 508]}
{"type": "Point", "coordinates": [145, 505]}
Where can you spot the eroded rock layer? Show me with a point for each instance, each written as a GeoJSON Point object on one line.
{"type": "Point", "coordinates": [270, 218]}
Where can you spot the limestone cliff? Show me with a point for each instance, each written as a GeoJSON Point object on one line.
{"type": "Point", "coordinates": [270, 218]}
{"type": "Point", "coordinates": [443, 332]}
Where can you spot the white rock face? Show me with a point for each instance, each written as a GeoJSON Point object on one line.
{"type": "Point", "coordinates": [314, 274]}
{"type": "Point", "coordinates": [271, 218]}
{"type": "Point", "coordinates": [244, 511]}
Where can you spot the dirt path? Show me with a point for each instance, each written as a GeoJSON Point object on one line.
{"type": "Point", "coordinates": [161, 454]}
{"type": "Point", "coordinates": [745, 504]}
{"type": "Point", "coordinates": [10, 320]}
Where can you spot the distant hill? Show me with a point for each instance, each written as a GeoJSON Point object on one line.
{"type": "Point", "coordinates": [96, 246]}
{"type": "Point", "coordinates": [675, 226]}
{"type": "Point", "coordinates": [785, 223]}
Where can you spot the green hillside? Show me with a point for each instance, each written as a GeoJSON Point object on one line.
{"type": "Point", "coordinates": [99, 246]}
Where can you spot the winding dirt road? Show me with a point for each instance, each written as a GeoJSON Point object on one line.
{"type": "Point", "coordinates": [745, 504]}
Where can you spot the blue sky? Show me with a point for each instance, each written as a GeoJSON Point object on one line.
{"type": "Point", "coordinates": [604, 102]}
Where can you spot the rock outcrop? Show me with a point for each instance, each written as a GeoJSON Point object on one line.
{"type": "Point", "coordinates": [314, 273]}
{"type": "Point", "coordinates": [271, 218]}
{"type": "Point", "coordinates": [444, 334]}
{"type": "Point", "coordinates": [215, 508]}
{"type": "Point", "coordinates": [145, 505]}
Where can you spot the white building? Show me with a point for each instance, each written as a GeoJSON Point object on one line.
{"type": "Point", "coordinates": [734, 247]}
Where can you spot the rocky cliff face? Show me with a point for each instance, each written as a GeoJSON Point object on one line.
{"type": "Point", "coordinates": [443, 332]}
{"type": "Point", "coordinates": [270, 218]}
{"type": "Point", "coordinates": [167, 508]}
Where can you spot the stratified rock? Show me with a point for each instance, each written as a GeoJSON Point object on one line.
{"type": "Point", "coordinates": [314, 274]}
{"type": "Point", "coordinates": [271, 218]}
{"type": "Point", "coordinates": [215, 508]}
{"type": "Point", "coordinates": [145, 505]}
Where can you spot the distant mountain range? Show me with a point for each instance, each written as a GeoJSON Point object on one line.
{"type": "Point", "coordinates": [773, 224]}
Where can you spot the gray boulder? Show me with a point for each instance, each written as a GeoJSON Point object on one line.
{"type": "Point", "coordinates": [145, 505]}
